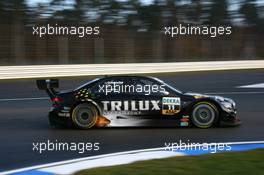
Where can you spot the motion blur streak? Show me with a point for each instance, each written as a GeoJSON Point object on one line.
{"type": "Point", "coordinates": [20, 72]}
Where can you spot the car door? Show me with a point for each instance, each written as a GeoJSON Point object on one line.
{"type": "Point", "coordinates": [108, 96]}
{"type": "Point", "coordinates": [164, 102]}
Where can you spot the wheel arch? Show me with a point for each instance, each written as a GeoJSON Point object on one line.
{"type": "Point", "coordinates": [209, 101]}
{"type": "Point", "coordinates": [89, 101]}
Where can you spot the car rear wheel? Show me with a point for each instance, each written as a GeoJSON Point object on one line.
{"type": "Point", "coordinates": [84, 116]}
{"type": "Point", "coordinates": [204, 115]}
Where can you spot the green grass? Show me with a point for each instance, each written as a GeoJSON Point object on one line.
{"type": "Point", "coordinates": [242, 163]}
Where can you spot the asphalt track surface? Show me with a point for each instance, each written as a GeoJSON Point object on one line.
{"type": "Point", "coordinates": [23, 120]}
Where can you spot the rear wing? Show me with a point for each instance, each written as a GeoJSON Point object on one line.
{"type": "Point", "coordinates": [49, 85]}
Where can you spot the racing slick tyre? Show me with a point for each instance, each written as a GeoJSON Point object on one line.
{"type": "Point", "coordinates": [204, 115]}
{"type": "Point", "coordinates": [84, 116]}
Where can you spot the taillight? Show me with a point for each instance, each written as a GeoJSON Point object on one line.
{"type": "Point", "coordinates": [56, 100]}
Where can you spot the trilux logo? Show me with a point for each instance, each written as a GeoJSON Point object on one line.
{"type": "Point", "coordinates": [142, 105]}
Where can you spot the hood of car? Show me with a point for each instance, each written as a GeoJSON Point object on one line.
{"type": "Point", "coordinates": [223, 101]}
{"type": "Point", "coordinates": [197, 95]}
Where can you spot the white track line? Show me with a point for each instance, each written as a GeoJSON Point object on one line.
{"type": "Point", "coordinates": [238, 93]}
{"type": "Point", "coordinates": [48, 165]}
{"type": "Point", "coordinates": [48, 71]}
{"type": "Point", "coordinates": [23, 99]}
{"type": "Point", "coordinates": [259, 85]}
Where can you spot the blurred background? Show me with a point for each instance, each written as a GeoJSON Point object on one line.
{"type": "Point", "coordinates": [130, 31]}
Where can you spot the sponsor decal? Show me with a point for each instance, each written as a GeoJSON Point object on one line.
{"type": "Point", "coordinates": [184, 123]}
{"type": "Point", "coordinates": [170, 105]}
{"type": "Point", "coordinates": [133, 105]}
{"type": "Point", "coordinates": [199, 96]}
{"type": "Point", "coordinates": [84, 94]}
{"type": "Point", "coordinates": [185, 118]}
{"type": "Point", "coordinates": [65, 110]}
{"type": "Point", "coordinates": [122, 112]}
{"type": "Point", "coordinates": [62, 114]}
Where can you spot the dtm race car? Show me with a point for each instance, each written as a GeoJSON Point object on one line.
{"type": "Point", "coordinates": [135, 101]}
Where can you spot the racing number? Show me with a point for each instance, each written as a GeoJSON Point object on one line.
{"type": "Point", "coordinates": [170, 105]}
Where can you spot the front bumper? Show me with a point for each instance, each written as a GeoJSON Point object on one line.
{"type": "Point", "coordinates": [229, 119]}
{"type": "Point", "coordinates": [235, 122]}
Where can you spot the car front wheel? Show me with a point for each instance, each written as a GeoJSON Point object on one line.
{"type": "Point", "coordinates": [204, 115]}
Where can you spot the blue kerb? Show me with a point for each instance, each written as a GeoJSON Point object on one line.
{"type": "Point", "coordinates": [234, 148]}
{"type": "Point", "coordinates": [191, 151]}
{"type": "Point", "coordinates": [33, 172]}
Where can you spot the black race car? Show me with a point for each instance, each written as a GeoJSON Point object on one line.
{"type": "Point", "coordinates": [135, 101]}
